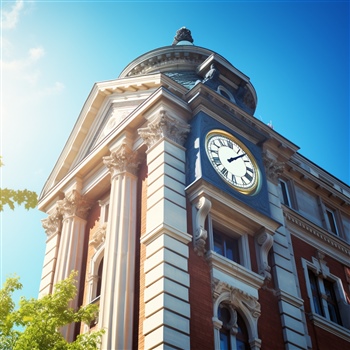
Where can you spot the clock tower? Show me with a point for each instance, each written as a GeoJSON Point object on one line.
{"type": "Point", "coordinates": [185, 218]}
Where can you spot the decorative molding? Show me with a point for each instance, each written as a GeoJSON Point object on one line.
{"type": "Point", "coordinates": [99, 235]}
{"type": "Point", "coordinates": [74, 205]}
{"type": "Point", "coordinates": [237, 297]}
{"type": "Point", "coordinates": [330, 326]}
{"type": "Point", "coordinates": [320, 264]}
{"type": "Point", "coordinates": [164, 126]}
{"type": "Point", "coordinates": [200, 233]}
{"type": "Point", "coordinates": [334, 242]}
{"type": "Point", "coordinates": [264, 241]}
{"type": "Point", "coordinates": [53, 223]}
{"type": "Point", "coordinates": [122, 160]}
{"type": "Point", "coordinates": [273, 168]}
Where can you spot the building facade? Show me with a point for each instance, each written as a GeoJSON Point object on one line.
{"type": "Point", "coordinates": [192, 224]}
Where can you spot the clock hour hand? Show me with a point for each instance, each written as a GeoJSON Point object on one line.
{"type": "Point", "coordinates": [234, 158]}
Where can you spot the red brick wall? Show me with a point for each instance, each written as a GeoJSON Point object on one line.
{"type": "Point", "coordinates": [321, 339]}
{"type": "Point", "coordinates": [139, 305]}
{"type": "Point", "coordinates": [269, 324]}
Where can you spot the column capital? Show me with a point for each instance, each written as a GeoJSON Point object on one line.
{"type": "Point", "coordinates": [164, 126]}
{"type": "Point", "coordinates": [53, 223]}
{"type": "Point", "coordinates": [74, 204]}
{"type": "Point", "coordinates": [122, 160]}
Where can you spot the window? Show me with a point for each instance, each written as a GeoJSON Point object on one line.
{"type": "Point", "coordinates": [285, 193]}
{"type": "Point", "coordinates": [331, 221]}
{"type": "Point", "coordinates": [226, 246]}
{"type": "Point", "coordinates": [99, 278]}
{"type": "Point", "coordinates": [324, 299]}
{"type": "Point", "coordinates": [233, 332]}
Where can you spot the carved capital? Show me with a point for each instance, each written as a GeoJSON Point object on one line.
{"type": "Point", "coordinates": [74, 205]}
{"type": "Point", "coordinates": [53, 223]}
{"type": "Point", "coordinates": [274, 169]}
{"type": "Point", "coordinates": [264, 242]}
{"type": "Point", "coordinates": [122, 160]}
{"type": "Point", "coordinates": [164, 126]}
{"type": "Point", "coordinates": [200, 233]}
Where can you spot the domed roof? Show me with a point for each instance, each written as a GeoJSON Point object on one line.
{"type": "Point", "coordinates": [189, 64]}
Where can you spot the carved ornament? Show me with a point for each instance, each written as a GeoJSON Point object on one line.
{"type": "Point", "coordinates": [122, 160]}
{"type": "Point", "coordinates": [264, 241]}
{"type": "Point", "coordinates": [237, 297]}
{"type": "Point", "coordinates": [99, 236]}
{"type": "Point", "coordinates": [200, 233]}
{"type": "Point", "coordinates": [164, 126]}
{"type": "Point", "coordinates": [274, 169]}
{"type": "Point", "coordinates": [53, 223]}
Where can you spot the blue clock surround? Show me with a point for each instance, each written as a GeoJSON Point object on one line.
{"type": "Point", "coordinates": [199, 166]}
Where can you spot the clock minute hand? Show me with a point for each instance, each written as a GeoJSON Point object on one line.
{"type": "Point", "coordinates": [234, 158]}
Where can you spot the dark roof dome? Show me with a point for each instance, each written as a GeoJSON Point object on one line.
{"type": "Point", "coordinates": [189, 64]}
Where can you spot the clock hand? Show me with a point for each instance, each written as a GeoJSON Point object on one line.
{"type": "Point", "coordinates": [234, 158]}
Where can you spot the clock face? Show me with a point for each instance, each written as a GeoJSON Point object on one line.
{"type": "Point", "coordinates": [232, 161]}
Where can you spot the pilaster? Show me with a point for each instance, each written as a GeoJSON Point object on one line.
{"type": "Point", "coordinates": [73, 209]}
{"type": "Point", "coordinates": [52, 226]}
{"type": "Point", "coordinates": [166, 297]}
{"type": "Point", "coordinates": [284, 270]}
{"type": "Point", "coordinates": [117, 291]}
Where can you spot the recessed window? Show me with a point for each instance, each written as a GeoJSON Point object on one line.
{"type": "Point", "coordinates": [331, 221]}
{"type": "Point", "coordinates": [324, 301]}
{"type": "Point", "coordinates": [226, 246]}
{"type": "Point", "coordinates": [285, 193]}
{"type": "Point", "coordinates": [233, 332]}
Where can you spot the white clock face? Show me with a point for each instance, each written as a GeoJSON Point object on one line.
{"type": "Point", "coordinates": [232, 161]}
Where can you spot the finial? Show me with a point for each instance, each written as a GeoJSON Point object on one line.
{"type": "Point", "coordinates": [183, 34]}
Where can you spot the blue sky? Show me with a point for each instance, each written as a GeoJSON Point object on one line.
{"type": "Point", "coordinates": [296, 54]}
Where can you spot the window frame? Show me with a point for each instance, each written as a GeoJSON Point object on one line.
{"type": "Point", "coordinates": [321, 272]}
{"type": "Point", "coordinates": [217, 224]}
{"type": "Point", "coordinates": [286, 189]}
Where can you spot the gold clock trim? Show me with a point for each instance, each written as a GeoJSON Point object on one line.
{"type": "Point", "coordinates": [255, 187]}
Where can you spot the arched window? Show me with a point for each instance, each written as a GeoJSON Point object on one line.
{"type": "Point", "coordinates": [233, 332]}
{"type": "Point", "coordinates": [235, 318]}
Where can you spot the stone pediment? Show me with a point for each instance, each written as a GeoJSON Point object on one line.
{"type": "Point", "coordinates": [107, 106]}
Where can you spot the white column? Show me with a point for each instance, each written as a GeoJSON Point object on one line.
{"type": "Point", "coordinates": [117, 292]}
{"type": "Point", "coordinates": [52, 225]}
{"type": "Point", "coordinates": [74, 209]}
{"type": "Point", "coordinates": [167, 282]}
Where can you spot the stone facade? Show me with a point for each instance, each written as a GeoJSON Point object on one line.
{"type": "Point", "coordinates": [176, 257]}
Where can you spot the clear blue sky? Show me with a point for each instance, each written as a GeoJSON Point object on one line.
{"type": "Point", "coordinates": [296, 54]}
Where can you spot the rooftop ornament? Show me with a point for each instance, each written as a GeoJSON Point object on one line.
{"type": "Point", "coordinates": [183, 34]}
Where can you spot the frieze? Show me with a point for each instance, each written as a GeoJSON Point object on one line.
{"type": "Point", "coordinates": [325, 236]}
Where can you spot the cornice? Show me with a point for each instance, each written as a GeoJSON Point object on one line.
{"type": "Point", "coordinates": [186, 56]}
{"type": "Point", "coordinates": [311, 233]}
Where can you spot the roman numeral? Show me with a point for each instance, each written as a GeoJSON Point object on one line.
{"type": "Point", "coordinates": [249, 177]}
{"type": "Point", "coordinates": [229, 143]}
{"type": "Point", "coordinates": [216, 160]}
{"type": "Point", "coordinates": [224, 172]}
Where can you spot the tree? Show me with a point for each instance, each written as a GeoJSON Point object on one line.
{"type": "Point", "coordinates": [11, 197]}
{"type": "Point", "coordinates": [36, 323]}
